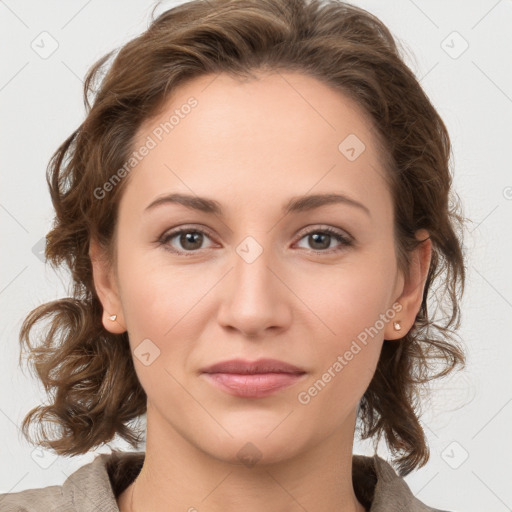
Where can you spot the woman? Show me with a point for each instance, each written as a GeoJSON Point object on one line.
{"type": "Point", "coordinates": [256, 212]}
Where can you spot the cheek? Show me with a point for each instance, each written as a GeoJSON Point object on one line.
{"type": "Point", "coordinates": [351, 309]}
{"type": "Point", "coordinates": [348, 350]}
{"type": "Point", "coordinates": [340, 301]}
{"type": "Point", "coordinates": [347, 299]}
{"type": "Point", "coordinates": [336, 391]}
{"type": "Point", "coordinates": [162, 323]}
{"type": "Point", "coordinates": [155, 294]}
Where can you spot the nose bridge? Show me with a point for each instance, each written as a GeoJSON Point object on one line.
{"type": "Point", "coordinates": [254, 302]}
{"type": "Point", "coordinates": [251, 265]}
{"type": "Point", "coordinates": [252, 277]}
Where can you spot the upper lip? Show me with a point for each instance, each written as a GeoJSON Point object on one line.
{"type": "Point", "coordinates": [241, 366]}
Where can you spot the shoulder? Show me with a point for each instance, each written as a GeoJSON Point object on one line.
{"type": "Point", "coordinates": [380, 489]}
{"type": "Point", "coordinates": [31, 500]}
{"type": "Point", "coordinates": [92, 487]}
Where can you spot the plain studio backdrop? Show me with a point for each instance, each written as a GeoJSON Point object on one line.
{"type": "Point", "coordinates": [460, 50]}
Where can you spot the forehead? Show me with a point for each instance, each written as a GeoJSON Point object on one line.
{"type": "Point", "coordinates": [280, 135]}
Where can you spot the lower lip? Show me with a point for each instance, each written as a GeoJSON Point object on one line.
{"type": "Point", "coordinates": [253, 385]}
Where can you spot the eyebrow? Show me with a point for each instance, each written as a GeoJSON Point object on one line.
{"type": "Point", "coordinates": [294, 205]}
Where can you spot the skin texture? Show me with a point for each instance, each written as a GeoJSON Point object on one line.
{"type": "Point", "coordinates": [252, 145]}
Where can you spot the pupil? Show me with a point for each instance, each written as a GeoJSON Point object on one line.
{"type": "Point", "coordinates": [315, 237]}
{"type": "Point", "coordinates": [188, 238]}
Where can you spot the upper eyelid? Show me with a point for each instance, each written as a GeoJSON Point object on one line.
{"type": "Point", "coordinates": [179, 229]}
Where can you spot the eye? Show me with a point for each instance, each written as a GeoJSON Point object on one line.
{"type": "Point", "coordinates": [320, 240]}
{"type": "Point", "coordinates": [190, 240]}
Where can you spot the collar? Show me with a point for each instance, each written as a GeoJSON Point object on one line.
{"type": "Point", "coordinates": [96, 485]}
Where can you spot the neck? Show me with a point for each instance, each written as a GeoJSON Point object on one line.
{"type": "Point", "coordinates": [316, 480]}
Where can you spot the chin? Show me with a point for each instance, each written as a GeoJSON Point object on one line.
{"type": "Point", "coordinates": [255, 446]}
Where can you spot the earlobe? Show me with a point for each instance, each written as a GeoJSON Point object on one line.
{"type": "Point", "coordinates": [413, 287]}
{"type": "Point", "coordinates": [106, 289]}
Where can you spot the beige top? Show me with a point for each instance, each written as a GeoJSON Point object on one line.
{"type": "Point", "coordinates": [95, 486]}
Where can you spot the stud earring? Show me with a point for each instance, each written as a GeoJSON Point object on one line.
{"type": "Point", "coordinates": [397, 326]}
{"type": "Point", "coordinates": [113, 317]}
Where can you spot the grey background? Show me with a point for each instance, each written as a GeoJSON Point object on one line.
{"type": "Point", "coordinates": [468, 419]}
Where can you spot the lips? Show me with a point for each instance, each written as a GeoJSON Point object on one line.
{"type": "Point", "coordinates": [241, 366]}
{"type": "Point", "coordinates": [255, 379]}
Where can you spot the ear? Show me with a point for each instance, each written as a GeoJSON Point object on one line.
{"type": "Point", "coordinates": [106, 289]}
{"type": "Point", "coordinates": [411, 292]}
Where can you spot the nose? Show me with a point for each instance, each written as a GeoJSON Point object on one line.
{"type": "Point", "coordinates": [255, 298]}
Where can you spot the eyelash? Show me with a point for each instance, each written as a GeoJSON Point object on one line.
{"type": "Point", "coordinates": [344, 240]}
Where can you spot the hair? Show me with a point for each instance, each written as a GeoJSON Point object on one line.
{"type": "Point", "coordinates": [88, 371]}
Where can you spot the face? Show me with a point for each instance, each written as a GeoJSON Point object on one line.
{"type": "Point", "coordinates": [315, 285]}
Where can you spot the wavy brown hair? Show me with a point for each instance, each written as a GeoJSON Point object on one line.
{"type": "Point", "coordinates": [88, 371]}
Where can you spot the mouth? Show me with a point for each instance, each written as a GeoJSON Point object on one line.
{"type": "Point", "coordinates": [256, 379]}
